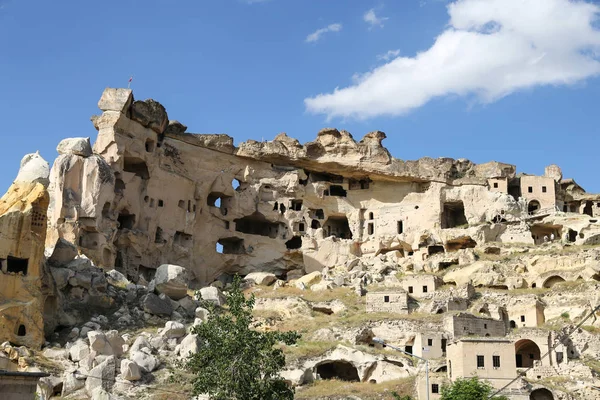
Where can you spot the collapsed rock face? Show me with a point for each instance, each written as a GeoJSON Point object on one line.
{"type": "Point", "coordinates": [23, 226]}
{"type": "Point", "coordinates": [278, 206]}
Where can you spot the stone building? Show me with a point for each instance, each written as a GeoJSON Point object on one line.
{"type": "Point", "coordinates": [526, 312]}
{"type": "Point", "coordinates": [420, 285]}
{"type": "Point", "coordinates": [491, 359]}
{"type": "Point", "coordinates": [463, 324]}
{"type": "Point", "coordinates": [388, 301]}
{"type": "Point", "coordinates": [430, 345]}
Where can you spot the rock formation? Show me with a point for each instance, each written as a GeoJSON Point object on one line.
{"type": "Point", "coordinates": [22, 236]}
{"type": "Point", "coordinates": [151, 221]}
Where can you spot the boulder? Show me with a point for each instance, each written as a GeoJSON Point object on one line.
{"type": "Point", "coordinates": [99, 343]}
{"type": "Point", "coordinates": [78, 351]}
{"type": "Point", "coordinates": [72, 382]}
{"type": "Point", "coordinates": [188, 304]}
{"type": "Point", "coordinates": [141, 344]}
{"type": "Point", "coordinates": [116, 100]}
{"type": "Point", "coordinates": [213, 295]}
{"type": "Point", "coordinates": [130, 371]}
{"type": "Point", "coordinates": [150, 114]}
{"type": "Point", "coordinates": [146, 362]}
{"type": "Point", "coordinates": [152, 304]}
{"type": "Point", "coordinates": [171, 280]}
{"type": "Point", "coordinates": [77, 146]}
{"type": "Point", "coordinates": [173, 329]}
{"type": "Point", "coordinates": [175, 128]}
{"type": "Point", "coordinates": [189, 345]}
{"type": "Point", "coordinates": [261, 278]}
{"type": "Point", "coordinates": [63, 253]}
{"type": "Point", "coordinates": [61, 276]}
{"type": "Point", "coordinates": [309, 279]}
{"type": "Point", "coordinates": [116, 342]}
{"type": "Point", "coordinates": [101, 376]}
{"type": "Point", "coordinates": [116, 278]}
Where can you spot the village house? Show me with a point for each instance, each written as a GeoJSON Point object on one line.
{"type": "Point", "coordinates": [421, 285]}
{"type": "Point", "coordinates": [388, 301]}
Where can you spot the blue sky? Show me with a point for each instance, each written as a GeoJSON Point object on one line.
{"type": "Point", "coordinates": [468, 78]}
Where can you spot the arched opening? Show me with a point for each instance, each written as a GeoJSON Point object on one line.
{"type": "Point", "coordinates": [513, 324]}
{"type": "Point", "coordinates": [541, 394]}
{"type": "Point", "coordinates": [527, 352]}
{"type": "Point", "coordinates": [551, 281]}
{"type": "Point", "coordinates": [533, 207]}
{"type": "Point", "coordinates": [341, 370]}
{"type": "Point", "coordinates": [370, 215]}
{"type": "Point", "coordinates": [315, 224]}
{"type": "Point", "coordinates": [21, 331]}
{"type": "Point", "coordinates": [572, 235]}
{"type": "Point", "coordinates": [443, 368]}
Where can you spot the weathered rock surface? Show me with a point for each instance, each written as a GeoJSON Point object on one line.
{"type": "Point", "coordinates": [172, 281]}
{"type": "Point", "coordinates": [76, 146]}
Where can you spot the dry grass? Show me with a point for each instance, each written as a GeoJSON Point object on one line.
{"type": "Point", "coordinates": [306, 349]}
{"type": "Point", "coordinates": [334, 389]}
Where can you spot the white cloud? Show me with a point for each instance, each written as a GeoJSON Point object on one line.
{"type": "Point", "coordinates": [316, 35]}
{"type": "Point", "coordinates": [372, 19]}
{"type": "Point", "coordinates": [390, 54]}
{"type": "Point", "coordinates": [491, 49]}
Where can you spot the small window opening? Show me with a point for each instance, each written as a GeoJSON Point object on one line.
{"type": "Point", "coordinates": [276, 206]}
{"type": "Point", "coordinates": [544, 190]}
{"type": "Point", "coordinates": [301, 227]}
{"type": "Point", "coordinates": [235, 184]}
{"type": "Point", "coordinates": [181, 204]}
{"type": "Point", "coordinates": [320, 214]}
{"type": "Point", "coordinates": [371, 229]}
{"type": "Point", "coordinates": [495, 185]}
{"type": "Point", "coordinates": [480, 362]}
{"type": "Point", "coordinates": [496, 361]}
{"type": "Point", "coordinates": [444, 345]}
{"type": "Point", "coordinates": [161, 203]}
{"type": "Point", "coordinates": [17, 265]}
{"type": "Point", "coordinates": [386, 299]}
{"type": "Point", "coordinates": [410, 289]}
{"type": "Point", "coordinates": [150, 145]}
{"type": "Point", "coordinates": [314, 224]}
{"type": "Point", "coordinates": [530, 189]}
{"type": "Point", "coordinates": [370, 215]}
{"type": "Point", "coordinates": [522, 318]}
{"type": "Point", "coordinates": [296, 205]}
{"type": "Point", "coordinates": [400, 227]}
{"type": "Point", "coordinates": [513, 324]}
{"type": "Point", "coordinates": [424, 289]}
{"type": "Point", "coordinates": [158, 236]}
{"type": "Point", "coordinates": [435, 388]}
{"type": "Point", "coordinates": [183, 239]}
{"type": "Point", "coordinates": [281, 208]}
{"type": "Point", "coordinates": [337, 190]}
{"type": "Point", "coordinates": [408, 349]}
{"type": "Point", "coordinates": [429, 342]}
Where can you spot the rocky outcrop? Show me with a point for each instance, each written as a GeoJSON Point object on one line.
{"type": "Point", "coordinates": [23, 231]}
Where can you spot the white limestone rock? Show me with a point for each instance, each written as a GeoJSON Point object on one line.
{"type": "Point", "coordinates": [99, 343]}
{"type": "Point", "coordinates": [173, 329]}
{"type": "Point", "coordinates": [130, 371]}
{"type": "Point", "coordinates": [146, 362]}
{"type": "Point", "coordinates": [261, 278]}
{"type": "Point", "coordinates": [189, 345]}
{"type": "Point", "coordinates": [34, 169]}
{"type": "Point", "coordinates": [171, 280]}
{"type": "Point", "coordinates": [213, 295]}
{"type": "Point", "coordinates": [76, 146]}
{"type": "Point", "coordinates": [79, 350]}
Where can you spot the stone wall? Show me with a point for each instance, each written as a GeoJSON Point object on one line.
{"type": "Point", "coordinates": [392, 302]}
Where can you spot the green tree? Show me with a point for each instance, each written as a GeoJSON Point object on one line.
{"type": "Point", "coordinates": [235, 361]}
{"type": "Point", "coordinates": [469, 389]}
